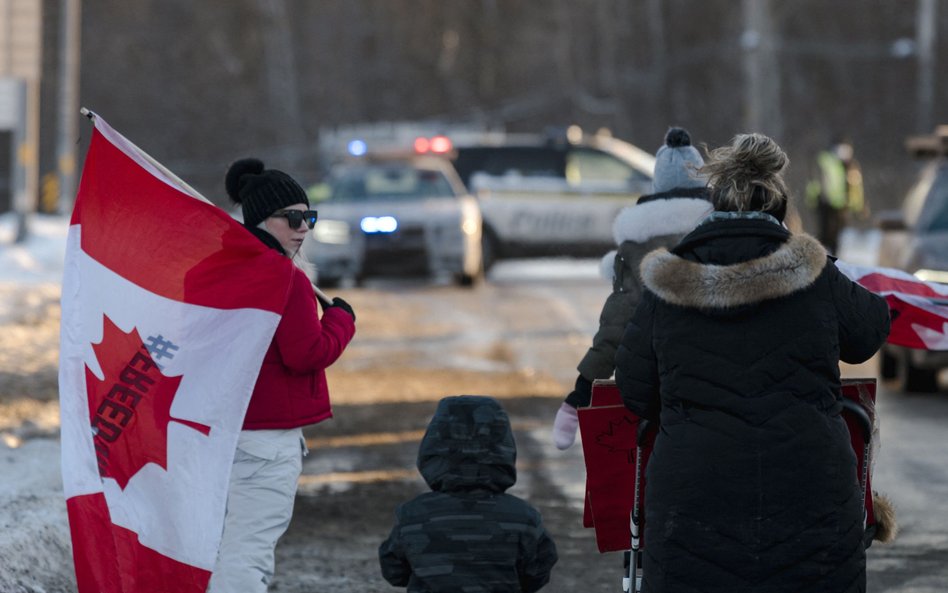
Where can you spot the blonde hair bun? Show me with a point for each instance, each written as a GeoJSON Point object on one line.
{"type": "Point", "coordinates": [746, 175]}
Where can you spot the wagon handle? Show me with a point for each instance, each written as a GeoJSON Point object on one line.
{"type": "Point", "coordinates": [865, 422]}
{"type": "Point", "coordinates": [862, 417]}
{"type": "Point", "coordinates": [630, 582]}
{"type": "Point", "coordinates": [644, 425]}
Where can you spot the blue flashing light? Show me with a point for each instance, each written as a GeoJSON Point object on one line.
{"type": "Point", "coordinates": [387, 224]}
{"type": "Point", "coordinates": [378, 224]}
{"type": "Point", "coordinates": [357, 147]}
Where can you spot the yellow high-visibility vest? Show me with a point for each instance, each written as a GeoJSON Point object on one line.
{"type": "Point", "coordinates": [837, 186]}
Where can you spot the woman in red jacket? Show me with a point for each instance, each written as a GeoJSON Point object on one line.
{"type": "Point", "coordinates": [290, 392]}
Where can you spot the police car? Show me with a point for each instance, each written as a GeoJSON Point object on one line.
{"type": "Point", "coordinates": [396, 216]}
{"type": "Point", "coordinates": [552, 195]}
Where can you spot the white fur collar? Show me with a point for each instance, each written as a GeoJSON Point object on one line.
{"type": "Point", "coordinates": [669, 216]}
{"type": "Point", "coordinates": [792, 267]}
{"type": "Point", "coordinates": [607, 266]}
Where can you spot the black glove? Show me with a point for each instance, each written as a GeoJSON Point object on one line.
{"type": "Point", "coordinates": [324, 302]}
{"type": "Point", "coordinates": [338, 302]}
{"type": "Point", "coordinates": [581, 394]}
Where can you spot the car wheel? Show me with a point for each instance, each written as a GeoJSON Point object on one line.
{"type": "Point", "coordinates": [888, 365]}
{"type": "Point", "coordinates": [489, 249]}
{"type": "Point", "coordinates": [914, 379]}
{"type": "Point", "coordinates": [467, 280]}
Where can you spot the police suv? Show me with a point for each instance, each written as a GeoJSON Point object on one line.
{"type": "Point", "coordinates": [552, 195]}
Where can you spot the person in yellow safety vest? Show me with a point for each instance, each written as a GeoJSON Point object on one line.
{"type": "Point", "coordinates": [836, 193]}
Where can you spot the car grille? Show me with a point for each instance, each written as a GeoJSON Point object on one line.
{"type": "Point", "coordinates": [411, 238]}
{"type": "Point", "coordinates": [403, 251]}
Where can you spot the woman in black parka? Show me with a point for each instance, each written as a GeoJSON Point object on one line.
{"type": "Point", "coordinates": [735, 346]}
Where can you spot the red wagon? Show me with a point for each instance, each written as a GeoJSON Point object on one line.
{"type": "Point", "coordinates": [616, 448]}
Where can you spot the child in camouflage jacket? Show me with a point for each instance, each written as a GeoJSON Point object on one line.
{"type": "Point", "coordinates": [467, 533]}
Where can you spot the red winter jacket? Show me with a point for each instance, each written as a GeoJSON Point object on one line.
{"type": "Point", "coordinates": [291, 389]}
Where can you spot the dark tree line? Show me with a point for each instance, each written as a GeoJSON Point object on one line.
{"type": "Point", "coordinates": [198, 84]}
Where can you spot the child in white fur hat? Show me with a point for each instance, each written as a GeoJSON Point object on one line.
{"type": "Point", "coordinates": [678, 203]}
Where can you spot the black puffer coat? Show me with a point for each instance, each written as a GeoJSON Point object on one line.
{"type": "Point", "coordinates": [468, 534]}
{"type": "Point", "coordinates": [752, 483]}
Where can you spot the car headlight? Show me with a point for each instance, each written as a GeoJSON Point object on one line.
{"type": "Point", "coordinates": [335, 232]}
{"type": "Point", "coordinates": [469, 226]}
{"type": "Point", "coordinates": [378, 224]}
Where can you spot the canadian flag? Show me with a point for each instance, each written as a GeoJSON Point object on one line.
{"type": "Point", "coordinates": [919, 309]}
{"type": "Point", "coordinates": [168, 307]}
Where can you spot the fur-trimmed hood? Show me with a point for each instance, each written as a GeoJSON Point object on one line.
{"type": "Point", "coordinates": [793, 266]}
{"type": "Point", "coordinates": [669, 216]}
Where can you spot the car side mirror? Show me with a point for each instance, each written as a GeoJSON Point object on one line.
{"type": "Point", "coordinates": [891, 220]}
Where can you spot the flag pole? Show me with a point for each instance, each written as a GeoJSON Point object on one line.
{"type": "Point", "coordinates": [323, 298]}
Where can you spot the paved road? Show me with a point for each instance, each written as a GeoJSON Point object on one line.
{"type": "Point", "coordinates": [912, 469]}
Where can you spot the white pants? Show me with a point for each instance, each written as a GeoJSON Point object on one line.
{"type": "Point", "coordinates": [267, 467]}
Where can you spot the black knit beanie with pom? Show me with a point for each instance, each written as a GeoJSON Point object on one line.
{"type": "Point", "coordinates": [260, 191]}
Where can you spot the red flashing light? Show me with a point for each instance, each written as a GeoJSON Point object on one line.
{"type": "Point", "coordinates": [422, 145]}
{"type": "Point", "coordinates": [440, 144]}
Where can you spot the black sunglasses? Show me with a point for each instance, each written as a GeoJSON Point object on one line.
{"type": "Point", "coordinates": [295, 217]}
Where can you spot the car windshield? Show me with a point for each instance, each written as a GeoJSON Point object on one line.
{"type": "Point", "coordinates": [498, 161]}
{"type": "Point", "coordinates": [589, 166]}
{"type": "Point", "coordinates": [389, 183]}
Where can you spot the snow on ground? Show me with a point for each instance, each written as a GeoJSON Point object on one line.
{"type": "Point", "coordinates": [35, 551]}
{"type": "Point", "coordinates": [39, 259]}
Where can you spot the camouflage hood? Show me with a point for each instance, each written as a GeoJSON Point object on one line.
{"type": "Point", "coordinates": [468, 446]}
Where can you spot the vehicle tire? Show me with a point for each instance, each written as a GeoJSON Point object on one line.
{"type": "Point", "coordinates": [888, 365]}
{"type": "Point", "coordinates": [489, 249]}
{"type": "Point", "coordinates": [914, 379]}
{"type": "Point", "coordinates": [468, 280]}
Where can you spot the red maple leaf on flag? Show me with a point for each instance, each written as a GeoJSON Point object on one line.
{"type": "Point", "coordinates": [620, 436]}
{"type": "Point", "coordinates": [130, 408]}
